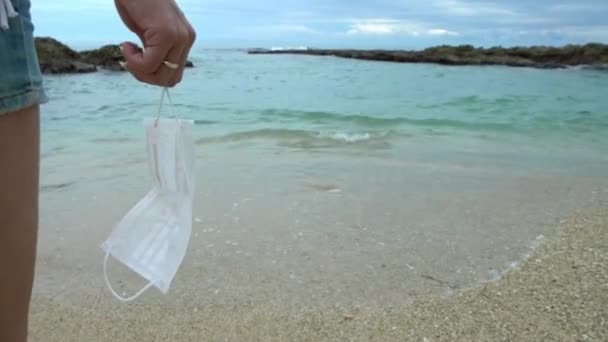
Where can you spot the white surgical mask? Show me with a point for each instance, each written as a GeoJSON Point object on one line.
{"type": "Point", "coordinates": [152, 238]}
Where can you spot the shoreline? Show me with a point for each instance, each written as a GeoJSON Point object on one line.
{"type": "Point", "coordinates": [559, 293]}
{"type": "Point", "coordinates": [58, 58]}
{"type": "Point", "coordinates": [593, 56]}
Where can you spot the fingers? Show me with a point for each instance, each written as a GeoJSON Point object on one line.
{"type": "Point", "coordinates": [185, 53]}
{"type": "Point", "coordinates": [148, 60]}
{"type": "Point", "coordinates": [164, 76]}
{"type": "Point", "coordinates": [170, 77]}
{"type": "Point", "coordinates": [165, 40]}
{"type": "Point", "coordinates": [161, 74]}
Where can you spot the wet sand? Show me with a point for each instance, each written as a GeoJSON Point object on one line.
{"type": "Point", "coordinates": [331, 207]}
{"type": "Point", "coordinates": [357, 245]}
{"type": "Point", "coordinates": [559, 294]}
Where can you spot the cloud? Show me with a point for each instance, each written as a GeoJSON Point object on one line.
{"type": "Point", "coordinates": [293, 28]}
{"type": "Point", "coordinates": [577, 33]}
{"type": "Point", "coordinates": [579, 7]}
{"type": "Point", "coordinates": [441, 32]}
{"type": "Point", "coordinates": [385, 27]}
{"type": "Point", "coordinates": [373, 27]}
{"type": "Point", "coordinates": [359, 23]}
{"type": "Point", "coordinates": [462, 8]}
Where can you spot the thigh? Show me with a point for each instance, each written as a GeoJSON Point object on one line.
{"type": "Point", "coordinates": [19, 159]}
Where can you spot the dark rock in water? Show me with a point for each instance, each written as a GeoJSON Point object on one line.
{"type": "Point", "coordinates": [593, 55]}
{"type": "Point", "coordinates": [602, 67]}
{"type": "Point", "coordinates": [82, 68]}
{"type": "Point", "coordinates": [106, 57]}
{"type": "Point", "coordinates": [57, 58]}
{"type": "Point", "coordinates": [68, 67]}
{"type": "Point", "coordinates": [49, 48]}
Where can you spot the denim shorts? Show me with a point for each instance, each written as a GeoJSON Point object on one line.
{"type": "Point", "coordinates": [20, 77]}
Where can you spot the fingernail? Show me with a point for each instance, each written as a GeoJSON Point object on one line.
{"type": "Point", "coordinates": [123, 64]}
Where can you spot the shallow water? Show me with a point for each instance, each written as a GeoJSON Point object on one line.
{"type": "Point", "coordinates": [323, 181]}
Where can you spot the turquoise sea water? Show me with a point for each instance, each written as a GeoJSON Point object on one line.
{"type": "Point", "coordinates": [308, 102]}
{"type": "Point", "coordinates": [324, 181]}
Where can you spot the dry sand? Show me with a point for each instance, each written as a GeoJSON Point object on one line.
{"type": "Point", "coordinates": [559, 294]}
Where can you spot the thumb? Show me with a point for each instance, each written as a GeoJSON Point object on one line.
{"type": "Point", "coordinates": [145, 61]}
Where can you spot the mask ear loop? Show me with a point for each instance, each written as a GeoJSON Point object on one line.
{"type": "Point", "coordinates": [164, 92]}
{"type": "Point", "coordinates": [177, 137]}
{"type": "Point", "coordinates": [119, 297]}
{"type": "Point", "coordinates": [160, 106]}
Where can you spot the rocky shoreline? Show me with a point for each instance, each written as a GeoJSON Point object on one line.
{"type": "Point", "coordinates": [592, 55]}
{"type": "Point", "coordinates": [57, 58]}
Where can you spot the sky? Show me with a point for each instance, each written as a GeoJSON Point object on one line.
{"type": "Point", "coordinates": [404, 24]}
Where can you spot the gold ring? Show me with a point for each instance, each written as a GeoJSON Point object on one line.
{"type": "Point", "coordinates": [170, 65]}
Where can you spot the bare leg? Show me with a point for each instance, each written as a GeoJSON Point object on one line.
{"type": "Point", "coordinates": [19, 161]}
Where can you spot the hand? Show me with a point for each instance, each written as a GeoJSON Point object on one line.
{"type": "Point", "coordinates": [166, 35]}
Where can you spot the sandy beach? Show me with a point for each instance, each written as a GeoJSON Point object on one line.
{"type": "Point", "coordinates": [345, 249]}
{"type": "Point", "coordinates": [440, 204]}
{"type": "Point", "coordinates": [559, 294]}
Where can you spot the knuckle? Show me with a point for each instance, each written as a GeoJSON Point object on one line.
{"type": "Point", "coordinates": [182, 40]}
{"type": "Point", "coordinates": [169, 35]}
{"type": "Point", "coordinates": [192, 35]}
{"type": "Point", "coordinates": [184, 36]}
